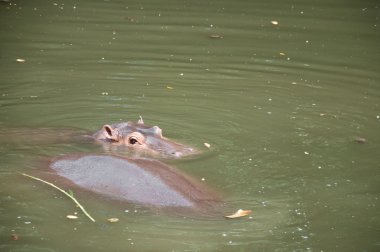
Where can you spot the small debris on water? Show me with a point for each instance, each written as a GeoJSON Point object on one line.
{"type": "Point", "coordinates": [169, 87]}
{"type": "Point", "coordinates": [282, 54]}
{"type": "Point", "coordinates": [20, 60]}
{"type": "Point", "coordinates": [239, 213]}
{"type": "Point", "coordinates": [104, 93]}
{"type": "Point", "coordinates": [274, 22]}
{"type": "Point", "coordinates": [203, 179]}
{"type": "Point", "coordinates": [215, 36]}
{"type": "Point", "coordinates": [113, 220]}
{"type": "Point", "coordinates": [306, 153]}
{"type": "Point", "coordinates": [15, 237]}
{"type": "Point", "coordinates": [207, 145]}
{"type": "Point", "coordinates": [71, 217]}
{"type": "Point", "coordinates": [361, 140]}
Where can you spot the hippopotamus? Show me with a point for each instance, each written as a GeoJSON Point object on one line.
{"type": "Point", "coordinates": [137, 180]}
{"type": "Point", "coordinates": [141, 138]}
{"type": "Point", "coordinates": [143, 181]}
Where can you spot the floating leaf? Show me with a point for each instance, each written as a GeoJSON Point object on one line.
{"type": "Point", "coordinates": [169, 87]}
{"type": "Point", "coordinates": [21, 60]}
{"type": "Point", "coordinates": [71, 217]}
{"type": "Point", "coordinates": [207, 145]}
{"type": "Point", "coordinates": [113, 220]}
{"type": "Point", "coordinates": [239, 213]}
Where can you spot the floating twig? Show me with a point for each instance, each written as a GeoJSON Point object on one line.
{"type": "Point", "coordinates": [63, 191]}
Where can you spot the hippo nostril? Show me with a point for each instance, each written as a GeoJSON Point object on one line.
{"type": "Point", "coordinates": [176, 153]}
{"type": "Point", "coordinates": [183, 152]}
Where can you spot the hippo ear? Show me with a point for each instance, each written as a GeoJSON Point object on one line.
{"type": "Point", "coordinates": [140, 121]}
{"type": "Point", "coordinates": [111, 133]}
{"type": "Point", "coordinates": [157, 131]}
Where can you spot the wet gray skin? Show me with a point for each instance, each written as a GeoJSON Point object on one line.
{"type": "Point", "coordinates": [141, 138]}
{"type": "Point", "coordinates": [144, 181]}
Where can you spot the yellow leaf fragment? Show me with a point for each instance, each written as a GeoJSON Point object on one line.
{"type": "Point", "coordinates": [21, 60]}
{"type": "Point", "coordinates": [274, 22]}
{"type": "Point", "coordinates": [239, 213]}
{"type": "Point", "coordinates": [71, 217]}
{"type": "Point", "coordinates": [207, 145]}
{"type": "Point", "coordinates": [215, 36]}
{"type": "Point", "coordinates": [113, 220]}
{"type": "Point", "coordinates": [169, 87]}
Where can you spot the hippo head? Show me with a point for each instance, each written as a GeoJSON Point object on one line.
{"type": "Point", "coordinates": [141, 138]}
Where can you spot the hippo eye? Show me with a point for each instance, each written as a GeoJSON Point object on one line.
{"type": "Point", "coordinates": [133, 140]}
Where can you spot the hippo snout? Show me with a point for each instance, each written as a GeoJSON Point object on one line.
{"type": "Point", "coordinates": [184, 152]}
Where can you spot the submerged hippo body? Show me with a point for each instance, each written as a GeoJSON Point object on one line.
{"type": "Point", "coordinates": [142, 181]}
{"type": "Point", "coordinates": [139, 137]}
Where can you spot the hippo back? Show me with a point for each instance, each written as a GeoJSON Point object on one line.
{"type": "Point", "coordinates": [144, 181]}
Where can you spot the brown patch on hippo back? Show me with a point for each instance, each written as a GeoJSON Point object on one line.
{"type": "Point", "coordinates": [184, 183]}
{"type": "Point", "coordinates": [188, 194]}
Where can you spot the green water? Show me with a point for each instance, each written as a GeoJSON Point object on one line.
{"type": "Point", "coordinates": [281, 106]}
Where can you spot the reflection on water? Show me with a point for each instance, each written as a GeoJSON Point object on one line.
{"type": "Point", "coordinates": [279, 89]}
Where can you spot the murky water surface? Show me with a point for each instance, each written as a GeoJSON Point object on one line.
{"type": "Point", "coordinates": [280, 89]}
